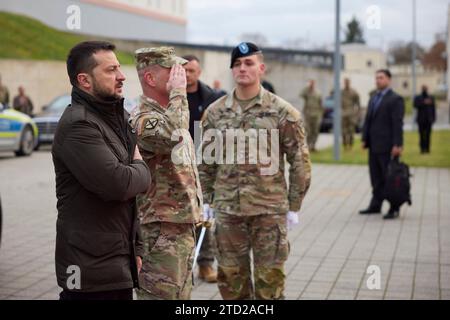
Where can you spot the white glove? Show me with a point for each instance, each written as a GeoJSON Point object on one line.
{"type": "Point", "coordinates": [291, 219]}
{"type": "Point", "coordinates": [208, 212]}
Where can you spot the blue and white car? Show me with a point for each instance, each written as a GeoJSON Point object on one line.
{"type": "Point", "coordinates": [18, 132]}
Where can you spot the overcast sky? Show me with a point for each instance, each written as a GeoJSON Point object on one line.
{"type": "Point", "coordinates": [312, 21]}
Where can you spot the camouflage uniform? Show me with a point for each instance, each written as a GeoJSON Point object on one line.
{"type": "Point", "coordinates": [172, 206]}
{"type": "Point", "coordinates": [350, 107]}
{"type": "Point", "coordinates": [4, 95]}
{"type": "Point", "coordinates": [313, 112]}
{"type": "Point", "coordinates": [250, 205]}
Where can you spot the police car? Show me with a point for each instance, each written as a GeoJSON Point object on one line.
{"type": "Point", "coordinates": [18, 132]}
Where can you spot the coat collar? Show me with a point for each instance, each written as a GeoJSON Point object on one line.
{"type": "Point", "coordinates": [107, 108]}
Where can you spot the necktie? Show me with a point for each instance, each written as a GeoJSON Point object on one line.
{"type": "Point", "coordinates": [376, 102]}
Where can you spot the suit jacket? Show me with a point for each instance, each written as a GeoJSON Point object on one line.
{"type": "Point", "coordinates": [383, 129]}
{"type": "Point", "coordinates": [426, 113]}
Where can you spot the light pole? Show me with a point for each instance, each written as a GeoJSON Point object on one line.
{"type": "Point", "coordinates": [337, 87]}
{"type": "Point", "coordinates": [413, 58]}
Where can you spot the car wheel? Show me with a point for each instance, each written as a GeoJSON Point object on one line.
{"type": "Point", "coordinates": [26, 142]}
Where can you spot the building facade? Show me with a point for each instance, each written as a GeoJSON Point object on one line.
{"type": "Point", "coordinates": [150, 20]}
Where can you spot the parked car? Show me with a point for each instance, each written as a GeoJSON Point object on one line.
{"type": "Point", "coordinates": [47, 120]}
{"type": "Point", "coordinates": [18, 132]}
{"type": "Point", "coordinates": [327, 119]}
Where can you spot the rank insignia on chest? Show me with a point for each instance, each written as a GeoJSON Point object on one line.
{"type": "Point", "coordinates": [151, 124]}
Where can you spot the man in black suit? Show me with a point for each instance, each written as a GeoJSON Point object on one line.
{"type": "Point", "coordinates": [383, 136]}
{"type": "Point", "coordinates": [426, 116]}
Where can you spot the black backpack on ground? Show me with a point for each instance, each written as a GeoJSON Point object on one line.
{"type": "Point", "coordinates": [397, 187]}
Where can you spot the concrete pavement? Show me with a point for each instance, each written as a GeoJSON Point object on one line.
{"type": "Point", "coordinates": [331, 249]}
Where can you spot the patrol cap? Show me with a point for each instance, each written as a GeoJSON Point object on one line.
{"type": "Point", "coordinates": [163, 56]}
{"type": "Point", "coordinates": [244, 49]}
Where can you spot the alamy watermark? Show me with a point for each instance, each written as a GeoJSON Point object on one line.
{"type": "Point", "coordinates": [73, 21]}
{"type": "Point", "coordinates": [230, 146]}
{"type": "Point", "coordinates": [373, 17]}
{"type": "Point", "coordinates": [74, 280]}
{"type": "Point", "coordinates": [374, 280]}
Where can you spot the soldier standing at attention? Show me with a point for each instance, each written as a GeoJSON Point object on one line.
{"type": "Point", "coordinates": [172, 205]}
{"type": "Point", "coordinates": [350, 109]}
{"type": "Point", "coordinates": [313, 112]}
{"type": "Point", "coordinates": [253, 207]}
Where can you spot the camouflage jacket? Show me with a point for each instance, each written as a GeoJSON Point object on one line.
{"type": "Point", "coordinates": [166, 146]}
{"type": "Point", "coordinates": [350, 102]}
{"type": "Point", "coordinates": [254, 182]}
{"type": "Point", "coordinates": [313, 103]}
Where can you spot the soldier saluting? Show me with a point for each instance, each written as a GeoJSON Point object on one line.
{"type": "Point", "coordinates": [252, 205]}
{"type": "Point", "coordinates": [171, 207]}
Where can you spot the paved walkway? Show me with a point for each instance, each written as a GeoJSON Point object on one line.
{"type": "Point", "coordinates": [330, 249]}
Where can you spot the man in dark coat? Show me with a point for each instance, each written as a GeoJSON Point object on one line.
{"type": "Point", "coordinates": [99, 172]}
{"type": "Point", "coordinates": [426, 116]}
{"type": "Point", "coordinates": [200, 96]}
{"type": "Point", "coordinates": [383, 136]}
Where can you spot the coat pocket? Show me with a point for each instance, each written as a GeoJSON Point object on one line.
{"type": "Point", "coordinates": [98, 244]}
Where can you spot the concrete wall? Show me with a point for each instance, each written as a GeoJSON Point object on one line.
{"type": "Point", "coordinates": [45, 80]}
{"type": "Point", "coordinates": [361, 63]}
{"type": "Point", "coordinates": [402, 79]}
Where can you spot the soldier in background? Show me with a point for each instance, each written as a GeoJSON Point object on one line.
{"type": "Point", "coordinates": [313, 112]}
{"type": "Point", "coordinates": [172, 206]}
{"type": "Point", "coordinates": [253, 208]}
{"type": "Point", "coordinates": [23, 103]}
{"type": "Point", "coordinates": [4, 94]}
{"type": "Point", "coordinates": [350, 111]}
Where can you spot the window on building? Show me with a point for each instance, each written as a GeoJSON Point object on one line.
{"type": "Point", "coordinates": [369, 63]}
{"type": "Point", "coordinates": [405, 85]}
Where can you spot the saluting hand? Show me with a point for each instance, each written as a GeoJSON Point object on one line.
{"type": "Point", "coordinates": [177, 78]}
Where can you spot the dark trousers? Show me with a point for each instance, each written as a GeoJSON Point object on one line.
{"type": "Point", "coordinates": [425, 136]}
{"type": "Point", "coordinates": [125, 294]}
{"type": "Point", "coordinates": [378, 164]}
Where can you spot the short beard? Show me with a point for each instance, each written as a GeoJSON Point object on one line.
{"type": "Point", "coordinates": [102, 94]}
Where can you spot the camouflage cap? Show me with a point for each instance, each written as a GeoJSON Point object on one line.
{"type": "Point", "coordinates": [163, 56]}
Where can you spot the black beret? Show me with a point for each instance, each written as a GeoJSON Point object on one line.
{"type": "Point", "coordinates": [244, 49]}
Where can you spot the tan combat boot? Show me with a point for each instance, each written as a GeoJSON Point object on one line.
{"type": "Point", "coordinates": [207, 273]}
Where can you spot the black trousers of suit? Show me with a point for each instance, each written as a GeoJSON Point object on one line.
{"type": "Point", "coordinates": [378, 164]}
{"type": "Point", "coordinates": [425, 136]}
